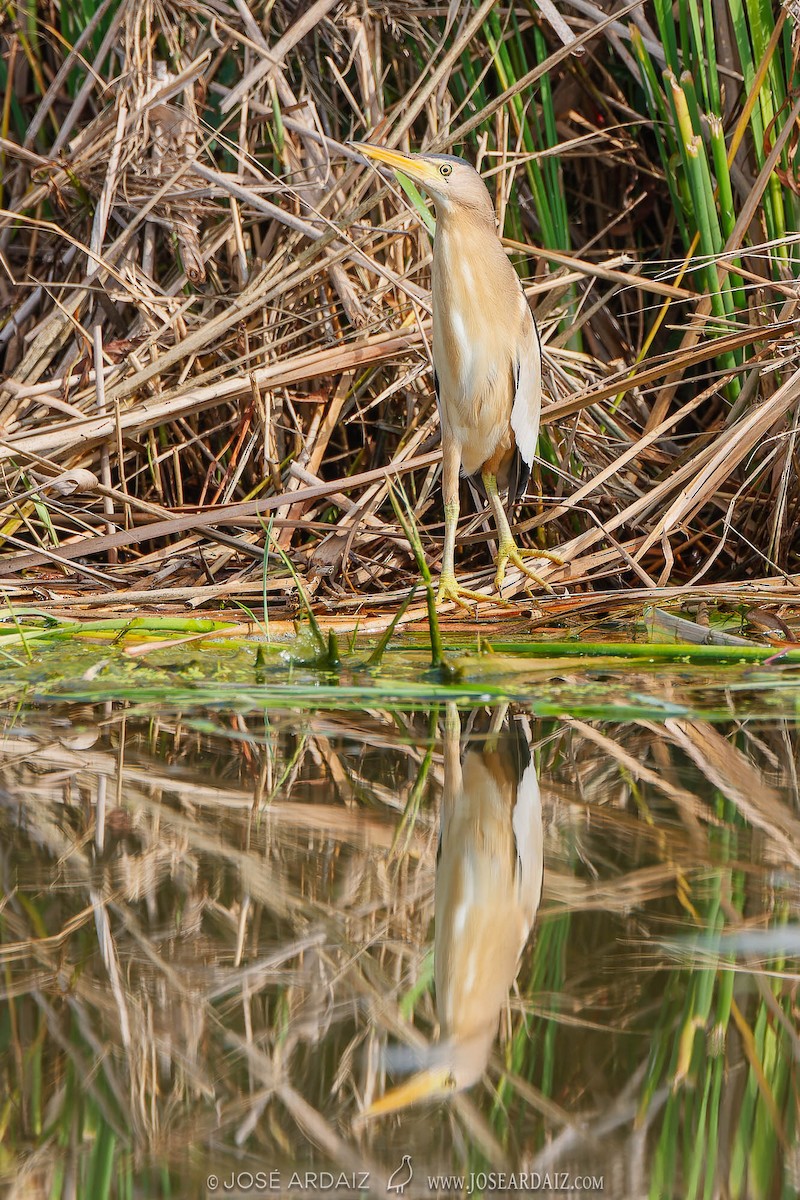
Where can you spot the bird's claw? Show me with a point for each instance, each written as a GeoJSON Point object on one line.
{"type": "Point", "coordinates": [510, 553]}
{"type": "Point", "coordinates": [450, 589]}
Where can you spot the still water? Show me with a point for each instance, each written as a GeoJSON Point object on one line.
{"type": "Point", "coordinates": [463, 946]}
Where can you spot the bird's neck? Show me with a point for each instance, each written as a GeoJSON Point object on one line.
{"type": "Point", "coordinates": [465, 222]}
{"type": "Point", "coordinates": [468, 236]}
{"type": "Point", "coordinates": [466, 252]}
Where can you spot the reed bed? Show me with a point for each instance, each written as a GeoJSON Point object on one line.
{"type": "Point", "coordinates": [215, 318]}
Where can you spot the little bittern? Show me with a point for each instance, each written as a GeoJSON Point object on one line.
{"type": "Point", "coordinates": [486, 354]}
{"type": "Point", "coordinates": [489, 874]}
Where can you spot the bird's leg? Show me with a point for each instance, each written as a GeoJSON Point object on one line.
{"type": "Point", "coordinates": [452, 753]}
{"type": "Point", "coordinates": [449, 587]}
{"type": "Point", "coordinates": [507, 549]}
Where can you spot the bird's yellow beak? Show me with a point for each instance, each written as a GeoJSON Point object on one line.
{"type": "Point", "coordinates": [425, 1085]}
{"type": "Point", "coordinates": [411, 165]}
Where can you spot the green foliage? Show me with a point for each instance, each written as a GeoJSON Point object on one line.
{"type": "Point", "coordinates": [690, 105]}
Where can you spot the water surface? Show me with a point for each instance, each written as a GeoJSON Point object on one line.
{"type": "Point", "coordinates": [246, 941]}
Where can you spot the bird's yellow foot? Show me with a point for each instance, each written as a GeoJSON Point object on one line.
{"type": "Point", "coordinates": [450, 589]}
{"type": "Point", "coordinates": [509, 552]}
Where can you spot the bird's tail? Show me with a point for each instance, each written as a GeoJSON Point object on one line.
{"type": "Point", "coordinates": [514, 478]}
{"type": "Point", "coordinates": [507, 743]}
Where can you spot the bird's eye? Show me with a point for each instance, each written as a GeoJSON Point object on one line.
{"type": "Point", "coordinates": [445, 169]}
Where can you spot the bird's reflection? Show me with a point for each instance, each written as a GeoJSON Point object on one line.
{"type": "Point", "coordinates": [488, 888]}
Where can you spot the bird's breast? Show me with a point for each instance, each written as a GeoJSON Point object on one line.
{"type": "Point", "coordinates": [459, 348]}
{"type": "Point", "coordinates": [477, 315]}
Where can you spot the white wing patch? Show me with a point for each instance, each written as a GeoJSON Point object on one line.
{"type": "Point", "coordinates": [527, 407]}
{"type": "Point", "coordinates": [529, 838]}
{"type": "Point", "coordinates": [464, 349]}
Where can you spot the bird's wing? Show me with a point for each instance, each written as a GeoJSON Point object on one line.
{"type": "Point", "coordinates": [527, 406]}
{"type": "Point", "coordinates": [529, 839]}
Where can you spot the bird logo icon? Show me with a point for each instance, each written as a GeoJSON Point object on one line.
{"type": "Point", "coordinates": [400, 1178]}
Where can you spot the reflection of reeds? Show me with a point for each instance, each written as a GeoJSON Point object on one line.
{"type": "Point", "coordinates": [215, 956]}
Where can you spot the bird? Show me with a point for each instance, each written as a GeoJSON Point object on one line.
{"type": "Point", "coordinates": [487, 357]}
{"type": "Point", "coordinates": [489, 876]}
{"type": "Point", "coordinates": [400, 1178]}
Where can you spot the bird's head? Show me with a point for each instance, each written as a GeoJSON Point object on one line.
{"type": "Point", "coordinates": [451, 182]}
{"type": "Point", "coordinates": [432, 1084]}
{"type": "Point", "coordinates": [449, 1067]}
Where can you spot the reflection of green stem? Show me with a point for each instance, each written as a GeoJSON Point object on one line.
{"type": "Point", "coordinates": [701, 1002]}
{"type": "Point", "coordinates": [406, 824]}
{"type": "Point", "coordinates": [420, 986]}
{"type": "Point", "coordinates": [101, 1163]}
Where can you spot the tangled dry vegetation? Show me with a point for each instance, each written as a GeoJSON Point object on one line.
{"type": "Point", "coordinates": [215, 316]}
